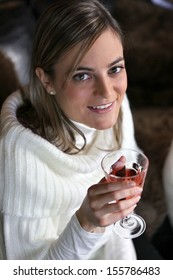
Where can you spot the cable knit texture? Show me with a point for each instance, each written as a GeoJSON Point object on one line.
{"type": "Point", "coordinates": [42, 187]}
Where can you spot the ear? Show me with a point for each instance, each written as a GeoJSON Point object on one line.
{"type": "Point", "coordinates": [44, 79]}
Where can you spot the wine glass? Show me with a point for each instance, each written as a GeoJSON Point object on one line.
{"type": "Point", "coordinates": [127, 165]}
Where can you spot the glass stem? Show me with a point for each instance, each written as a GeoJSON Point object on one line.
{"type": "Point", "coordinates": [127, 218]}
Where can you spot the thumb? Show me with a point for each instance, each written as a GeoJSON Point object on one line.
{"type": "Point", "coordinates": [119, 164]}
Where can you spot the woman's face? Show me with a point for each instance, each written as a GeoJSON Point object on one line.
{"type": "Point", "coordinates": [94, 94]}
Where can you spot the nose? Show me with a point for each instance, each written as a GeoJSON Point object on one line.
{"type": "Point", "coordinates": [104, 87]}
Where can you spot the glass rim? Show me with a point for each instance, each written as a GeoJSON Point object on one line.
{"type": "Point", "coordinates": [125, 149]}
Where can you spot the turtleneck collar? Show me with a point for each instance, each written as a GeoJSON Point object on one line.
{"type": "Point", "coordinates": [84, 128]}
{"type": "Point", "coordinates": [89, 133]}
{"type": "Point", "coordinates": [102, 139]}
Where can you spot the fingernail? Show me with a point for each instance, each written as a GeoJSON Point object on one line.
{"type": "Point", "coordinates": [138, 198]}
{"type": "Point", "coordinates": [131, 184]}
{"type": "Point", "coordinates": [138, 190]}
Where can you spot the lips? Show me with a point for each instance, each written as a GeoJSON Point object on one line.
{"type": "Point", "coordinates": [101, 108]}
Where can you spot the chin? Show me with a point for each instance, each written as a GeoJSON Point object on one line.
{"type": "Point", "coordinates": [106, 125]}
{"type": "Point", "coordinates": [106, 122]}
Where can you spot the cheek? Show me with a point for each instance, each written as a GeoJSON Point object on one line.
{"type": "Point", "coordinates": [123, 85]}
{"type": "Point", "coordinates": [124, 80]}
{"type": "Point", "coordinates": [76, 95]}
{"type": "Point", "coordinates": [70, 100]}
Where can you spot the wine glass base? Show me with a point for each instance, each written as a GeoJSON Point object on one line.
{"type": "Point", "coordinates": [130, 227]}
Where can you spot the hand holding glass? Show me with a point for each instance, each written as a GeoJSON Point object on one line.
{"type": "Point", "coordinates": [127, 165]}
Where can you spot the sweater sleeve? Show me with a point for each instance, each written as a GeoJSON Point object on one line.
{"type": "Point", "coordinates": [74, 243]}
{"type": "Point", "coordinates": [42, 242]}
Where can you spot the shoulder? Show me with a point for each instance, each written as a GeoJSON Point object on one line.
{"type": "Point", "coordinates": [8, 110]}
{"type": "Point", "coordinates": [14, 136]}
{"type": "Point", "coordinates": [14, 99]}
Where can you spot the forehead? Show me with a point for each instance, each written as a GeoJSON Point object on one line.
{"type": "Point", "coordinates": [107, 47]}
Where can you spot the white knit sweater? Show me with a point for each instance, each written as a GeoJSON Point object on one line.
{"type": "Point", "coordinates": [42, 187]}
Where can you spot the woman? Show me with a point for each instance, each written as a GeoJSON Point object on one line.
{"type": "Point", "coordinates": [54, 134]}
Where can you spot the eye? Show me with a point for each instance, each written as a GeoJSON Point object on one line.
{"type": "Point", "coordinates": [116, 69]}
{"type": "Point", "coordinates": [81, 77]}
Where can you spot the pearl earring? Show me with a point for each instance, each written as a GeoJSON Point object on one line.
{"type": "Point", "coordinates": [52, 92]}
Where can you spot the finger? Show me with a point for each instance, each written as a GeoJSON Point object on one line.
{"type": "Point", "coordinates": [126, 193]}
{"type": "Point", "coordinates": [119, 206]}
{"type": "Point", "coordinates": [122, 205]}
{"type": "Point", "coordinates": [115, 217]}
{"type": "Point", "coordinates": [103, 188]}
{"type": "Point", "coordinates": [103, 180]}
{"type": "Point", "coordinates": [104, 220]}
{"type": "Point", "coordinates": [119, 164]}
{"type": "Point", "coordinates": [100, 200]}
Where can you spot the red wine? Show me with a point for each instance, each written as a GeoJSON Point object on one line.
{"type": "Point", "coordinates": [131, 174]}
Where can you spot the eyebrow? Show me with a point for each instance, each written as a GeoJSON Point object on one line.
{"type": "Point", "coordinates": [116, 61]}
{"type": "Point", "coordinates": [109, 65]}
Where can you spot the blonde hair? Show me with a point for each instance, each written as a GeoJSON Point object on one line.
{"type": "Point", "coordinates": [61, 27]}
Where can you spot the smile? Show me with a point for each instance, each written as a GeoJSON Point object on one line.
{"type": "Point", "coordinates": [101, 108]}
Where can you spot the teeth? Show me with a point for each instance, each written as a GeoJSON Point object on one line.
{"type": "Point", "coordinates": [102, 106]}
